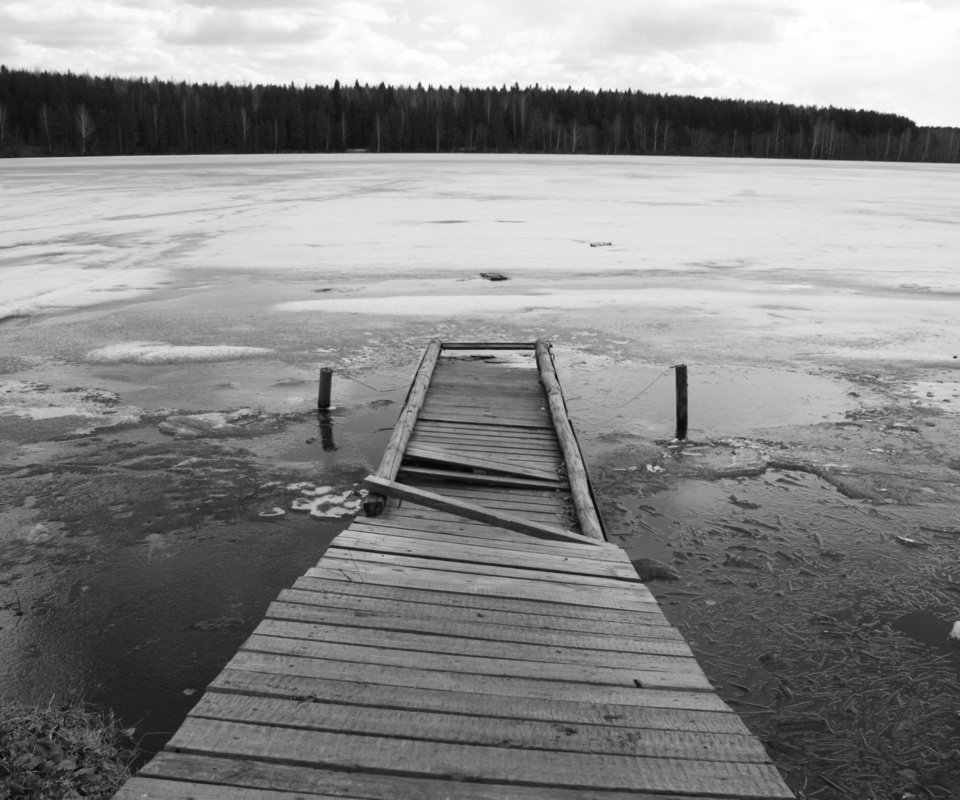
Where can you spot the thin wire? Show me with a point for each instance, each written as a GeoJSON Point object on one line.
{"type": "Point", "coordinates": [350, 377]}
{"type": "Point", "coordinates": [642, 392]}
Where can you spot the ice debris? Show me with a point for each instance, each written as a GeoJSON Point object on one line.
{"type": "Point", "coordinates": [325, 503]}
{"type": "Point", "coordinates": [276, 511]}
{"type": "Point", "coordinates": [906, 541]}
{"type": "Point", "coordinates": [218, 424]}
{"type": "Point", "coordinates": [954, 635]}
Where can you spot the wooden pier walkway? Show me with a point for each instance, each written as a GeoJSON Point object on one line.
{"type": "Point", "coordinates": [473, 636]}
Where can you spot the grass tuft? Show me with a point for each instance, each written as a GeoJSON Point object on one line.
{"type": "Point", "coordinates": [63, 752]}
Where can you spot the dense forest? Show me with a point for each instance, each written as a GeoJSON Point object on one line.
{"type": "Point", "coordinates": [44, 113]}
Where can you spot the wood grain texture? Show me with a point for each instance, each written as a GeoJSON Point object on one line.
{"type": "Point", "coordinates": [309, 781]}
{"type": "Point", "coordinates": [417, 758]}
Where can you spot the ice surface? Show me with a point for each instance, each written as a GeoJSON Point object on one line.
{"type": "Point", "coordinates": [774, 260]}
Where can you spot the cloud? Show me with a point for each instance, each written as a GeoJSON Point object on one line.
{"type": "Point", "coordinates": [217, 27]}
{"type": "Point", "coordinates": [672, 27]}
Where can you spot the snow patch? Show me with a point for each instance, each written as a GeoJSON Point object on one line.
{"type": "Point", "coordinates": [325, 503]}
{"type": "Point", "coordinates": [163, 353]}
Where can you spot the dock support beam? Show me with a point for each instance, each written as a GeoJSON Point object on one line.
{"type": "Point", "coordinates": [576, 471]}
{"type": "Point", "coordinates": [374, 503]}
{"type": "Point", "coordinates": [681, 370]}
{"type": "Point", "coordinates": [323, 395]}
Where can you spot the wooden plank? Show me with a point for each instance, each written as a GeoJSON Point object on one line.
{"type": "Point", "coordinates": [494, 444]}
{"type": "Point", "coordinates": [525, 400]}
{"type": "Point", "coordinates": [349, 655]}
{"type": "Point", "coordinates": [509, 686]}
{"type": "Point", "coordinates": [522, 407]}
{"type": "Point", "coordinates": [489, 345]}
{"type": "Point", "coordinates": [421, 614]}
{"type": "Point", "coordinates": [493, 387]}
{"type": "Point", "coordinates": [562, 520]}
{"type": "Point", "coordinates": [476, 429]}
{"type": "Point", "coordinates": [479, 394]}
{"type": "Point", "coordinates": [304, 780]}
{"type": "Point", "coordinates": [549, 460]}
{"type": "Point", "coordinates": [490, 420]}
{"type": "Point", "coordinates": [425, 759]}
{"type": "Point", "coordinates": [576, 471]}
{"type": "Point", "coordinates": [659, 656]}
{"type": "Point", "coordinates": [453, 548]}
{"type": "Point", "coordinates": [393, 571]}
{"type": "Point", "coordinates": [441, 456]}
{"type": "Point", "coordinates": [539, 448]}
{"type": "Point", "coordinates": [428, 537]}
{"type": "Point", "coordinates": [507, 407]}
{"type": "Point", "coordinates": [558, 606]}
{"type": "Point", "coordinates": [370, 549]}
{"type": "Point", "coordinates": [470, 510]}
{"type": "Point", "coordinates": [147, 788]}
{"type": "Point", "coordinates": [480, 478]}
{"type": "Point", "coordinates": [416, 513]}
{"type": "Point", "coordinates": [649, 641]}
{"type": "Point", "coordinates": [548, 464]}
{"type": "Point", "coordinates": [550, 498]}
{"type": "Point", "coordinates": [505, 404]}
{"type": "Point", "coordinates": [501, 499]}
{"type": "Point", "coordinates": [477, 704]}
{"type": "Point", "coordinates": [484, 369]}
{"type": "Point", "coordinates": [477, 730]}
{"type": "Point", "coordinates": [390, 462]}
{"type": "Point", "coordinates": [481, 536]}
{"type": "Point", "coordinates": [491, 430]}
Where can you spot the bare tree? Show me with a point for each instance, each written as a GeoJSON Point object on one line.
{"type": "Point", "coordinates": [45, 124]}
{"type": "Point", "coordinates": [4, 123]}
{"type": "Point", "coordinates": [85, 127]}
{"type": "Point", "coordinates": [245, 125]}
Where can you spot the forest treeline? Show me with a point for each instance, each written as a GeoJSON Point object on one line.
{"type": "Point", "coordinates": [50, 113]}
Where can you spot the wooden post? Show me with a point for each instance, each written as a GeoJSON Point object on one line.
{"type": "Point", "coordinates": [323, 396]}
{"type": "Point", "coordinates": [681, 370]}
{"type": "Point", "coordinates": [374, 503]}
{"type": "Point", "coordinates": [576, 471]}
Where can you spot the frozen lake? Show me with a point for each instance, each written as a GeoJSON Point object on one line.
{"type": "Point", "coordinates": [306, 259]}
{"type": "Point", "coordinates": [142, 299]}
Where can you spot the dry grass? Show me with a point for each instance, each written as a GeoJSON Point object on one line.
{"type": "Point", "coordinates": [63, 752]}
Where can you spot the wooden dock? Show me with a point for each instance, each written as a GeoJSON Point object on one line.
{"type": "Point", "coordinates": [473, 636]}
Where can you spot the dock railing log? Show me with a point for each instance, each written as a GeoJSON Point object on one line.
{"type": "Point", "coordinates": [590, 523]}
{"type": "Point", "coordinates": [374, 503]}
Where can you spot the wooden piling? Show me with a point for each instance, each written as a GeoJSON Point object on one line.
{"type": "Point", "coordinates": [681, 370]}
{"type": "Point", "coordinates": [374, 503]}
{"type": "Point", "coordinates": [326, 381]}
{"type": "Point", "coordinates": [576, 471]}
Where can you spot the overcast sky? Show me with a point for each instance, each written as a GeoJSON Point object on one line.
{"type": "Point", "coordinates": [901, 56]}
